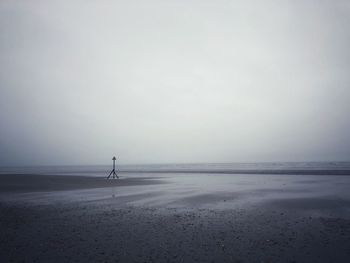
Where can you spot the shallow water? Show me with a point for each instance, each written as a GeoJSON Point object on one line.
{"type": "Point", "coordinates": [310, 194]}
{"type": "Point", "coordinates": [313, 187]}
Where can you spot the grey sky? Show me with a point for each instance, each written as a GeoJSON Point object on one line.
{"type": "Point", "coordinates": [174, 81]}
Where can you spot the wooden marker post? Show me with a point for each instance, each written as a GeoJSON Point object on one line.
{"type": "Point", "coordinates": [113, 173]}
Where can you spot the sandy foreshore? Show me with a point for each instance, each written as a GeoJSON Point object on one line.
{"type": "Point", "coordinates": [174, 219]}
{"type": "Point", "coordinates": [26, 183]}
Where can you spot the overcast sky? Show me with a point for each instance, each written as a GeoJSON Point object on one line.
{"type": "Point", "coordinates": [174, 81]}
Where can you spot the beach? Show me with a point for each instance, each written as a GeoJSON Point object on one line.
{"type": "Point", "coordinates": [174, 131]}
{"type": "Point", "coordinates": [175, 217]}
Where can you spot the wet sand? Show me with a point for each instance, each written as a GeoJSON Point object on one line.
{"type": "Point", "coordinates": [41, 183]}
{"type": "Point", "coordinates": [188, 218]}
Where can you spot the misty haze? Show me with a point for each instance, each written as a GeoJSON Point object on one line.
{"type": "Point", "coordinates": [174, 81]}
{"type": "Point", "coordinates": [174, 131]}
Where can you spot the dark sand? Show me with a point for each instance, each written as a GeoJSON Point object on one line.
{"type": "Point", "coordinates": [147, 219]}
{"type": "Point", "coordinates": [41, 183]}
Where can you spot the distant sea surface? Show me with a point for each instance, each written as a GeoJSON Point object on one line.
{"type": "Point", "coordinates": [309, 168]}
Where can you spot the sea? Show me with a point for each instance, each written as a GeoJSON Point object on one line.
{"type": "Point", "coordinates": [298, 168]}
